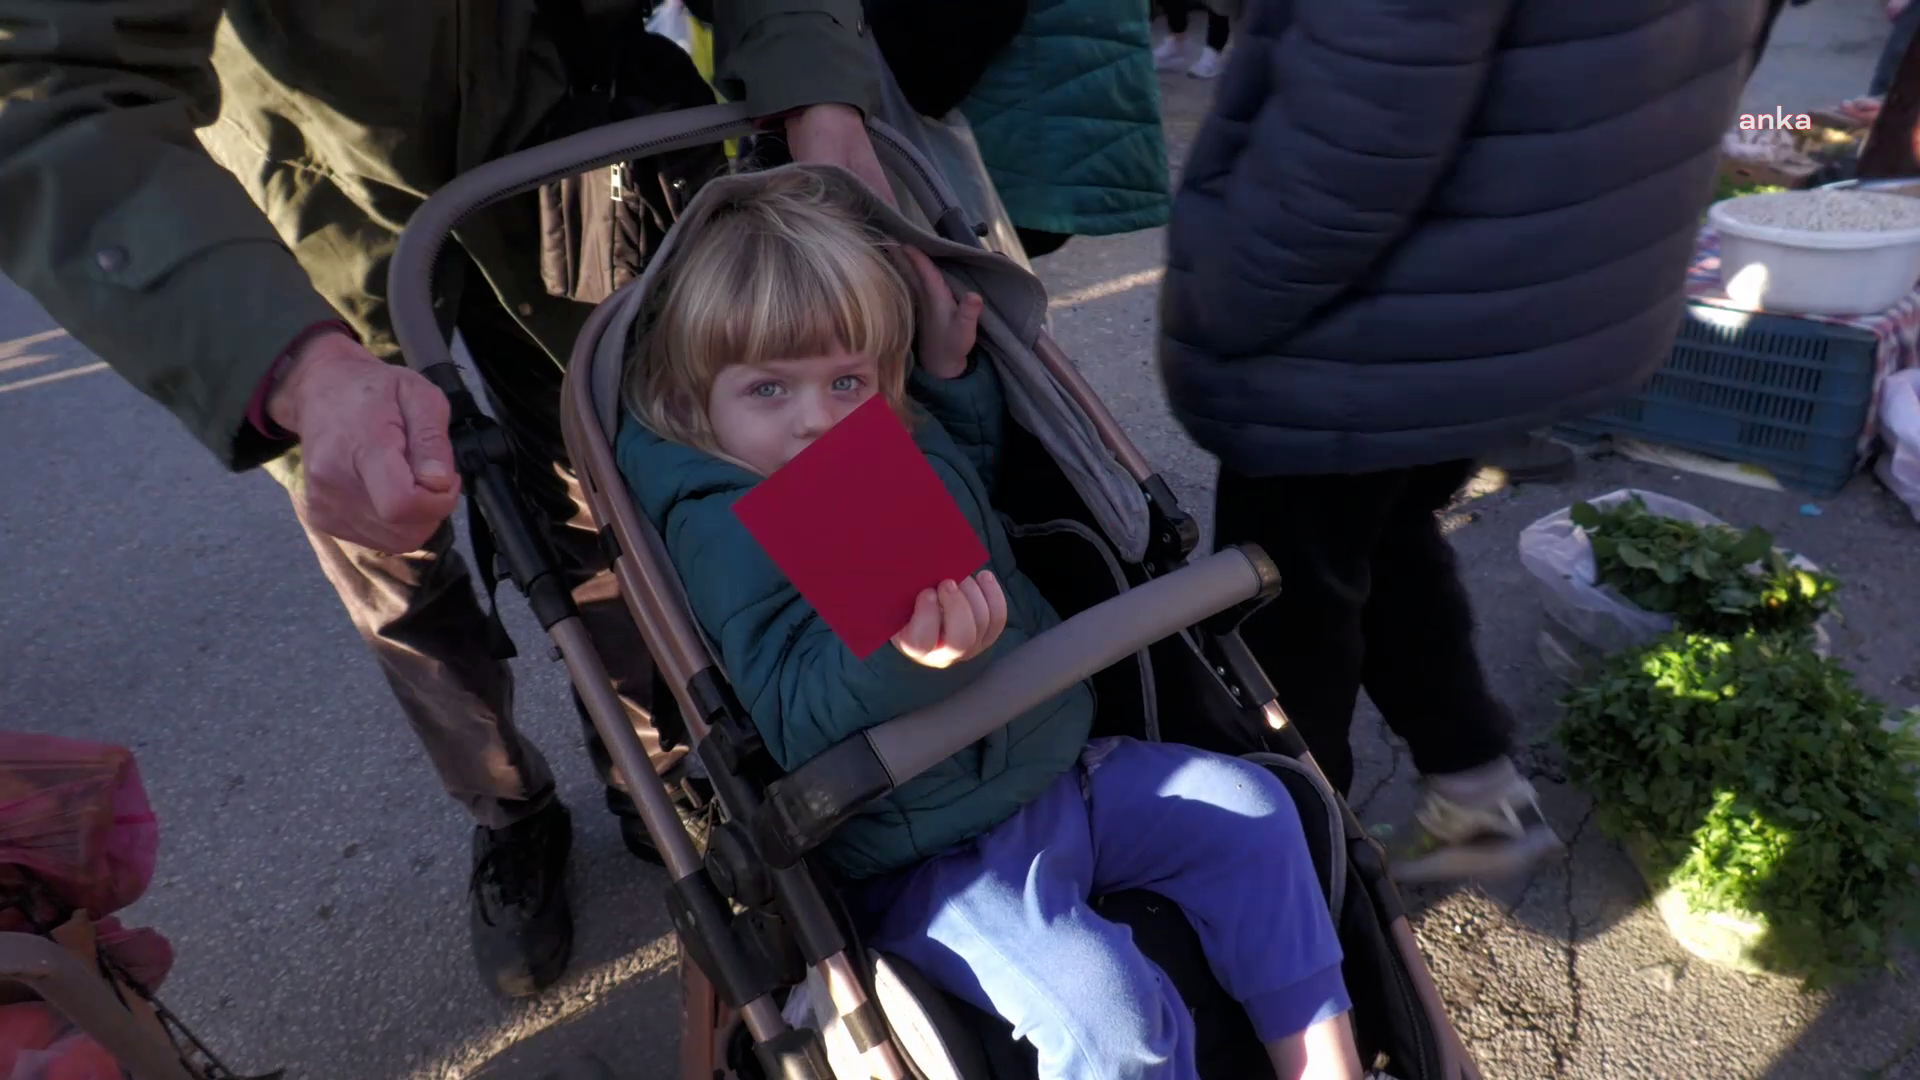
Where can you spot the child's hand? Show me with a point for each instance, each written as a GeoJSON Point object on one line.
{"type": "Point", "coordinates": [954, 622]}
{"type": "Point", "coordinates": [947, 326]}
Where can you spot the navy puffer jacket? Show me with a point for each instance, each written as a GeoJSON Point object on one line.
{"type": "Point", "coordinates": [1413, 228]}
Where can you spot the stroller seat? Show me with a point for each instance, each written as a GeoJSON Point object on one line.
{"type": "Point", "coordinates": [1101, 535]}
{"type": "Point", "coordinates": [945, 1038]}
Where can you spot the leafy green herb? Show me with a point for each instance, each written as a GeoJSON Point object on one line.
{"type": "Point", "coordinates": [1758, 779]}
{"type": "Point", "coordinates": [1728, 187]}
{"type": "Point", "coordinates": [1711, 578]}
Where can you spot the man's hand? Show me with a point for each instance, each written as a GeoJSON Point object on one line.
{"type": "Point", "coordinates": [378, 465]}
{"type": "Point", "coordinates": [837, 135]}
{"type": "Point", "coordinates": [954, 622]}
{"type": "Point", "coordinates": [1895, 7]}
{"type": "Point", "coordinates": [947, 327]}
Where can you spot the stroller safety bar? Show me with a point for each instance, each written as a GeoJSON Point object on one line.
{"type": "Point", "coordinates": [803, 808]}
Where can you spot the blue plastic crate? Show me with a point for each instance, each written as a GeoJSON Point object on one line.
{"type": "Point", "coordinates": [1787, 394]}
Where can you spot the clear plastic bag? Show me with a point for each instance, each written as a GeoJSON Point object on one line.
{"type": "Point", "coordinates": [670, 21]}
{"type": "Point", "coordinates": [1587, 620]}
{"type": "Point", "coordinates": [1899, 465]}
{"type": "Point", "coordinates": [1557, 553]}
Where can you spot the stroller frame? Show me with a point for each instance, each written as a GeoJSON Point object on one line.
{"type": "Point", "coordinates": [733, 965]}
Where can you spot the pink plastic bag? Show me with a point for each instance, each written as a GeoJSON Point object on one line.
{"type": "Point", "coordinates": [75, 814]}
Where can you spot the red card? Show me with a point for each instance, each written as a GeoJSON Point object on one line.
{"type": "Point", "coordinates": [860, 523]}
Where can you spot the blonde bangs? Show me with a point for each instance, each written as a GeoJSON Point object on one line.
{"type": "Point", "coordinates": [781, 270]}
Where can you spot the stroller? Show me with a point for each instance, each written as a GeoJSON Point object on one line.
{"type": "Point", "coordinates": [776, 984]}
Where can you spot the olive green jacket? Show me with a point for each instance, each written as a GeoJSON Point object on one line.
{"type": "Point", "coordinates": [186, 185]}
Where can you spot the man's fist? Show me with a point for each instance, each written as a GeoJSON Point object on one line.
{"type": "Point", "coordinates": [377, 464]}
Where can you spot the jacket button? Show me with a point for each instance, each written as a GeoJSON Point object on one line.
{"type": "Point", "coordinates": [112, 260]}
{"type": "Point", "coordinates": [526, 309]}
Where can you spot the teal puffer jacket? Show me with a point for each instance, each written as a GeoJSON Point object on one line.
{"type": "Point", "coordinates": [806, 691]}
{"type": "Point", "coordinates": [1068, 120]}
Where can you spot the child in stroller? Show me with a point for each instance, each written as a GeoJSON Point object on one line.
{"type": "Point", "coordinates": [783, 315]}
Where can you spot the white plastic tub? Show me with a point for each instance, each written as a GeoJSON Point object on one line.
{"type": "Point", "coordinates": [1801, 272]}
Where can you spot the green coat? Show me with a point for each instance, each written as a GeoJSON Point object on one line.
{"type": "Point", "coordinates": [1068, 120]}
{"type": "Point", "coordinates": [334, 120]}
{"type": "Point", "coordinates": [806, 691]}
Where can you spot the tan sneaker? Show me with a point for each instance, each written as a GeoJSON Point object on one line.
{"type": "Point", "coordinates": [1503, 836]}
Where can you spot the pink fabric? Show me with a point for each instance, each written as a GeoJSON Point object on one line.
{"type": "Point", "coordinates": [38, 1044]}
{"type": "Point", "coordinates": [141, 952]}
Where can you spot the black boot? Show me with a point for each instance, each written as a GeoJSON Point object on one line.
{"type": "Point", "coordinates": [633, 831]}
{"type": "Point", "coordinates": [521, 919]}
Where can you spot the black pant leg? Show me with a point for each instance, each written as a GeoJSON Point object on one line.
{"type": "Point", "coordinates": [523, 385]}
{"type": "Point", "coordinates": [1320, 531]}
{"type": "Point", "coordinates": [1218, 28]}
{"type": "Point", "coordinates": [1420, 666]}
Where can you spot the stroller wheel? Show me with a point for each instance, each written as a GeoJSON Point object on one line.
{"type": "Point", "coordinates": [927, 1028]}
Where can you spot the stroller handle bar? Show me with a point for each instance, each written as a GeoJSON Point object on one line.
{"type": "Point", "coordinates": [805, 806]}
{"type": "Point", "coordinates": [410, 280]}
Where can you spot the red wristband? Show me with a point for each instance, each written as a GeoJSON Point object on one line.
{"type": "Point", "coordinates": [257, 405]}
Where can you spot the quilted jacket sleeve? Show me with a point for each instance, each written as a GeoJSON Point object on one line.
{"type": "Point", "coordinates": [1336, 122]}
{"type": "Point", "coordinates": [972, 409]}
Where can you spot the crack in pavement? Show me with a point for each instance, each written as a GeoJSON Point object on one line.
{"type": "Point", "coordinates": [1393, 771]}
{"type": "Point", "coordinates": [1906, 1050]}
{"type": "Point", "coordinates": [1563, 1055]}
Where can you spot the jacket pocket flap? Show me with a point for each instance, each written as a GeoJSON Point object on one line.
{"type": "Point", "coordinates": [187, 206]}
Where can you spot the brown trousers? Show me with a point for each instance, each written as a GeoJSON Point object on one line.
{"type": "Point", "coordinates": [423, 619]}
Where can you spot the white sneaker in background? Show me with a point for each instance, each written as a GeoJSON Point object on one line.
{"type": "Point", "coordinates": [1171, 53]}
{"type": "Point", "coordinates": [1210, 64]}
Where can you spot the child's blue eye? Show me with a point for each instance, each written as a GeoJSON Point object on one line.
{"type": "Point", "coordinates": [847, 383]}
{"type": "Point", "coordinates": [764, 389]}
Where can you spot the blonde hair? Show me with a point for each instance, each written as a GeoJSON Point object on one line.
{"type": "Point", "coordinates": [779, 264]}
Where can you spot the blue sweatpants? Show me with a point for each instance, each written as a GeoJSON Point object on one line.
{"type": "Point", "coordinates": [1003, 921]}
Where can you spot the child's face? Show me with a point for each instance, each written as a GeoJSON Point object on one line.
{"type": "Point", "coordinates": [765, 414]}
